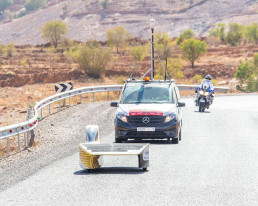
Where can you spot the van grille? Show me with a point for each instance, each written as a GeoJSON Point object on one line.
{"type": "Point", "coordinates": [146, 135]}
{"type": "Point", "coordinates": [137, 121]}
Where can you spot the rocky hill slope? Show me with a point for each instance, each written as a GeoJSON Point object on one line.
{"type": "Point", "coordinates": [88, 19]}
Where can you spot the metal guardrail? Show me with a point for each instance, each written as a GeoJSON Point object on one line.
{"type": "Point", "coordinates": [193, 87]}
{"type": "Point", "coordinates": [26, 126]}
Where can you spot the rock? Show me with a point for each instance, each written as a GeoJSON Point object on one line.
{"type": "Point", "coordinates": [24, 111]}
{"type": "Point", "coordinates": [29, 150]}
{"type": "Point", "coordinates": [232, 85]}
{"type": "Point", "coordinates": [223, 83]}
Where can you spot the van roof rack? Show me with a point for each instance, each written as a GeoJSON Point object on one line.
{"type": "Point", "coordinates": [150, 81]}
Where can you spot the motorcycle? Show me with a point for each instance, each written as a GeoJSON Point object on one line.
{"type": "Point", "coordinates": [204, 98]}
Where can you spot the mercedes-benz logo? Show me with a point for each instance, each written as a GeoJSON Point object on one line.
{"type": "Point", "coordinates": [145, 120]}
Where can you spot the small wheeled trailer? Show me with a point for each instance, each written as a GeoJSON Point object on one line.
{"type": "Point", "coordinates": [92, 151]}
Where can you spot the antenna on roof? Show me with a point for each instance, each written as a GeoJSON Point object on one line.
{"type": "Point", "coordinates": [130, 75]}
{"type": "Point", "coordinates": [166, 68]}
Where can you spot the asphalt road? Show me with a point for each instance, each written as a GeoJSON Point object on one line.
{"type": "Point", "coordinates": [216, 163]}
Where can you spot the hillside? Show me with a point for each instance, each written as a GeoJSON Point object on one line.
{"type": "Point", "coordinates": [87, 19]}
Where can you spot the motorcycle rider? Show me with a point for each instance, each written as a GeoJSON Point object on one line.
{"type": "Point", "coordinates": [206, 84]}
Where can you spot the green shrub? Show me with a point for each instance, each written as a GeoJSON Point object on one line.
{"type": "Point", "coordinates": [24, 63]}
{"type": "Point", "coordinates": [219, 31]}
{"type": "Point", "coordinates": [235, 34]}
{"type": "Point", "coordinates": [54, 32]}
{"type": "Point", "coordinates": [10, 50]}
{"type": "Point", "coordinates": [192, 49]}
{"type": "Point", "coordinates": [197, 79]}
{"type": "Point", "coordinates": [256, 60]}
{"type": "Point", "coordinates": [214, 82]}
{"type": "Point", "coordinates": [163, 45]}
{"type": "Point", "coordinates": [104, 4]}
{"type": "Point", "coordinates": [251, 32]}
{"type": "Point", "coordinates": [187, 34]}
{"type": "Point", "coordinates": [245, 72]}
{"type": "Point", "coordinates": [4, 4]}
{"type": "Point", "coordinates": [174, 69]}
{"type": "Point", "coordinates": [252, 86]}
{"type": "Point", "coordinates": [117, 37]}
{"type": "Point", "coordinates": [2, 49]}
{"type": "Point", "coordinates": [93, 59]}
{"type": "Point", "coordinates": [138, 53]}
{"type": "Point", "coordinates": [32, 5]}
{"type": "Point", "coordinates": [119, 79]}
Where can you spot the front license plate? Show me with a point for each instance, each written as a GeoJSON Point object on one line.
{"type": "Point", "coordinates": [145, 129]}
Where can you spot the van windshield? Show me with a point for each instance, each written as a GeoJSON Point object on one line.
{"type": "Point", "coordinates": [146, 94]}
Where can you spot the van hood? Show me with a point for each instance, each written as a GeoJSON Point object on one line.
{"type": "Point", "coordinates": [146, 109]}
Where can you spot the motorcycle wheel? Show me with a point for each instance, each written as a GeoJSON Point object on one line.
{"type": "Point", "coordinates": [201, 107]}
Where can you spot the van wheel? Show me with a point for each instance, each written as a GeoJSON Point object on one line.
{"type": "Point", "coordinates": [118, 140]}
{"type": "Point", "coordinates": [175, 140]}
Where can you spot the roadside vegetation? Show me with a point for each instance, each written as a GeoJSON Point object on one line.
{"type": "Point", "coordinates": [192, 50]}
{"type": "Point", "coordinates": [247, 74]}
{"type": "Point", "coordinates": [117, 37]}
{"type": "Point", "coordinates": [93, 59]}
{"type": "Point", "coordinates": [236, 33]}
{"type": "Point", "coordinates": [4, 4]}
{"type": "Point", "coordinates": [27, 6]}
{"type": "Point", "coordinates": [54, 32]}
{"type": "Point", "coordinates": [122, 56]}
{"type": "Point", "coordinates": [32, 5]}
{"type": "Point", "coordinates": [187, 34]}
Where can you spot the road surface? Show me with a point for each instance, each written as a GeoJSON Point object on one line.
{"type": "Point", "coordinates": [216, 163]}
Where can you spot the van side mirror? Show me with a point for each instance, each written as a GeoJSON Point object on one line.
{"type": "Point", "coordinates": [114, 104]}
{"type": "Point", "coordinates": [181, 104]}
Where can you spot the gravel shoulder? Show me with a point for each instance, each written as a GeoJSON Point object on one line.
{"type": "Point", "coordinates": [57, 136]}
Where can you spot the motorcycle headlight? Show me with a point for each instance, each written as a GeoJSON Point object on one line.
{"type": "Point", "coordinates": [206, 93]}
{"type": "Point", "coordinates": [201, 92]}
{"type": "Point", "coordinates": [170, 117]}
{"type": "Point", "coordinates": [122, 117]}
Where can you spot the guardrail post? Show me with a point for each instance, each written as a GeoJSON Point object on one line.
{"type": "Point", "coordinates": [49, 108]}
{"type": "Point", "coordinates": [19, 145]}
{"type": "Point", "coordinates": [69, 101]}
{"type": "Point", "coordinates": [93, 97]}
{"type": "Point", "coordinates": [108, 96]}
{"type": "Point", "coordinates": [32, 137]}
{"type": "Point", "coordinates": [25, 140]}
{"type": "Point", "coordinates": [7, 146]}
{"type": "Point", "coordinates": [41, 113]}
{"type": "Point", "coordinates": [28, 138]}
{"type": "Point", "coordinates": [59, 105]}
{"type": "Point", "coordinates": [80, 98]}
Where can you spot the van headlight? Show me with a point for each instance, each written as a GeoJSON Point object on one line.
{"type": "Point", "coordinates": [170, 117]}
{"type": "Point", "coordinates": [122, 117]}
